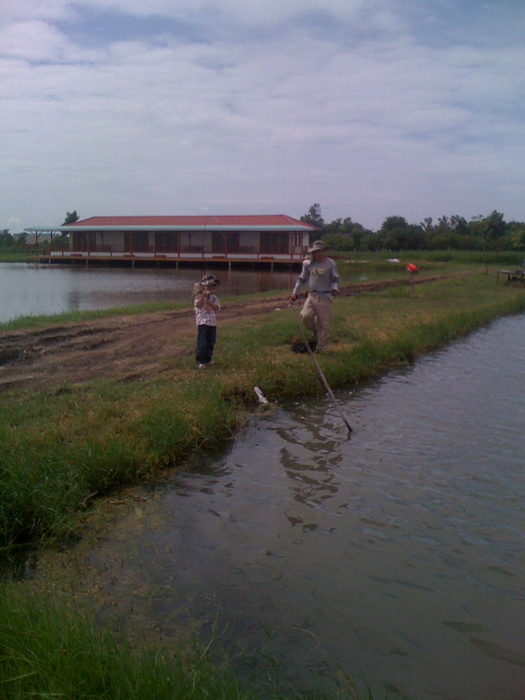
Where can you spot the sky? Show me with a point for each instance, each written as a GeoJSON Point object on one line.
{"type": "Point", "coordinates": [370, 108]}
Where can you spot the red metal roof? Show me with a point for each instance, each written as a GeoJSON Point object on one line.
{"type": "Point", "coordinates": [264, 220]}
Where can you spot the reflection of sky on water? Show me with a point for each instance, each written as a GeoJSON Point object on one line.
{"type": "Point", "coordinates": [397, 553]}
{"type": "Point", "coordinates": [33, 290]}
{"type": "Point", "coordinates": [310, 461]}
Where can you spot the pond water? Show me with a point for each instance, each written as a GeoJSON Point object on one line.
{"type": "Point", "coordinates": [397, 556]}
{"type": "Point", "coordinates": [34, 290]}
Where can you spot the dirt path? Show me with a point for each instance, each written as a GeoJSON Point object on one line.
{"type": "Point", "coordinates": [119, 348]}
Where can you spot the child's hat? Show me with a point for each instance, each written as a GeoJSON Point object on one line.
{"type": "Point", "coordinates": [209, 280]}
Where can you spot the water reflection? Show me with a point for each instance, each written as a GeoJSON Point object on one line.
{"type": "Point", "coordinates": [397, 555]}
{"type": "Point", "coordinates": [392, 554]}
{"type": "Point", "coordinates": [310, 463]}
{"type": "Point", "coordinates": [73, 301]}
{"type": "Point", "coordinates": [49, 289]}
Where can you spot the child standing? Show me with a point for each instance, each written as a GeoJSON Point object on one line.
{"type": "Point", "coordinates": [206, 306]}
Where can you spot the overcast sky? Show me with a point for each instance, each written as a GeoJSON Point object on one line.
{"type": "Point", "coordinates": [372, 108]}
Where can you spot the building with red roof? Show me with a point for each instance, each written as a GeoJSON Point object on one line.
{"type": "Point", "coordinates": [267, 238]}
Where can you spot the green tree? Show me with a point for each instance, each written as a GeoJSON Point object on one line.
{"type": "Point", "coordinates": [335, 227]}
{"type": "Point", "coordinates": [314, 216]}
{"type": "Point", "coordinates": [516, 235]}
{"type": "Point", "coordinates": [397, 234]}
{"type": "Point", "coordinates": [339, 241]}
{"type": "Point", "coordinates": [345, 234]}
{"type": "Point", "coordinates": [374, 242]}
{"type": "Point", "coordinates": [6, 239]}
{"type": "Point", "coordinates": [392, 231]}
{"type": "Point", "coordinates": [488, 231]}
{"type": "Point", "coordinates": [496, 225]}
{"type": "Point", "coordinates": [359, 234]}
{"type": "Point", "coordinates": [450, 232]}
{"type": "Point", "coordinates": [71, 217]}
{"type": "Point", "coordinates": [21, 239]}
{"type": "Point", "coordinates": [394, 223]}
{"type": "Point", "coordinates": [459, 225]}
{"type": "Point", "coordinates": [427, 225]}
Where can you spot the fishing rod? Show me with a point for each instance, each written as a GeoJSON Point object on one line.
{"type": "Point", "coordinates": [323, 379]}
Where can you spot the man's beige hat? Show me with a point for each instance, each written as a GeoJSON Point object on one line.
{"type": "Point", "coordinates": [317, 245]}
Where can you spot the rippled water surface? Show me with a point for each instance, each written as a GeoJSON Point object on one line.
{"type": "Point", "coordinates": [398, 554]}
{"type": "Point", "coordinates": [33, 290]}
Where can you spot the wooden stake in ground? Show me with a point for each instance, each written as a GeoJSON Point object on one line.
{"type": "Point", "coordinates": [323, 378]}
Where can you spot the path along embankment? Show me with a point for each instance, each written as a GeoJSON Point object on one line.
{"type": "Point", "coordinates": [90, 406]}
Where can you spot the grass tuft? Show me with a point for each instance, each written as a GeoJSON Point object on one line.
{"type": "Point", "coordinates": [51, 649]}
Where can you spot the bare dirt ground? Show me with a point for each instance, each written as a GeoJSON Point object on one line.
{"type": "Point", "coordinates": [120, 348]}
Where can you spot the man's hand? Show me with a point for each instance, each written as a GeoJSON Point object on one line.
{"type": "Point", "coordinates": [334, 292]}
{"type": "Point", "coordinates": [293, 298]}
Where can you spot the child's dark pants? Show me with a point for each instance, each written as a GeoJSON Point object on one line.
{"type": "Point", "coordinates": [206, 336]}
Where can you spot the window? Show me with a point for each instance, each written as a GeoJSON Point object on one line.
{"type": "Point", "coordinates": [227, 241]}
{"type": "Point", "coordinates": [136, 242]}
{"type": "Point", "coordinates": [274, 242]}
{"type": "Point", "coordinates": [166, 241]}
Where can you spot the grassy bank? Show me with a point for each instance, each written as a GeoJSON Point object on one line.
{"type": "Point", "coordinates": [451, 257]}
{"type": "Point", "coordinates": [64, 447]}
{"type": "Point", "coordinates": [48, 649]}
{"type": "Point", "coordinates": [34, 322]}
{"type": "Point", "coordinates": [11, 256]}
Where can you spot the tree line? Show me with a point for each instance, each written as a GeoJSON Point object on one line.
{"type": "Point", "coordinates": [490, 232]}
{"type": "Point", "coordinates": [18, 241]}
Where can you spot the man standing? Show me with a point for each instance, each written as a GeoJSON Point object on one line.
{"type": "Point", "coordinates": [320, 273]}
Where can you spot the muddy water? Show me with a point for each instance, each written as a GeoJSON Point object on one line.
{"type": "Point", "coordinates": [397, 555]}
{"type": "Point", "coordinates": [34, 290]}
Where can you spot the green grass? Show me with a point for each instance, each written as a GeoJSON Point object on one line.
{"type": "Point", "coordinates": [433, 257]}
{"type": "Point", "coordinates": [376, 269]}
{"type": "Point", "coordinates": [513, 258]}
{"type": "Point", "coordinates": [371, 333]}
{"type": "Point", "coordinates": [49, 648]}
{"type": "Point", "coordinates": [13, 255]}
{"type": "Point", "coordinates": [63, 448]}
{"type": "Point", "coordinates": [23, 322]}
{"type": "Point", "coordinates": [60, 450]}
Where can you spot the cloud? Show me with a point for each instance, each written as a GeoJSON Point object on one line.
{"type": "Point", "coordinates": [20, 10]}
{"type": "Point", "coordinates": [368, 119]}
{"type": "Point", "coordinates": [33, 40]}
{"type": "Point", "coordinates": [255, 12]}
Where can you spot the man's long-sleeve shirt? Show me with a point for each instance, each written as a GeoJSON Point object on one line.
{"type": "Point", "coordinates": [321, 277]}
